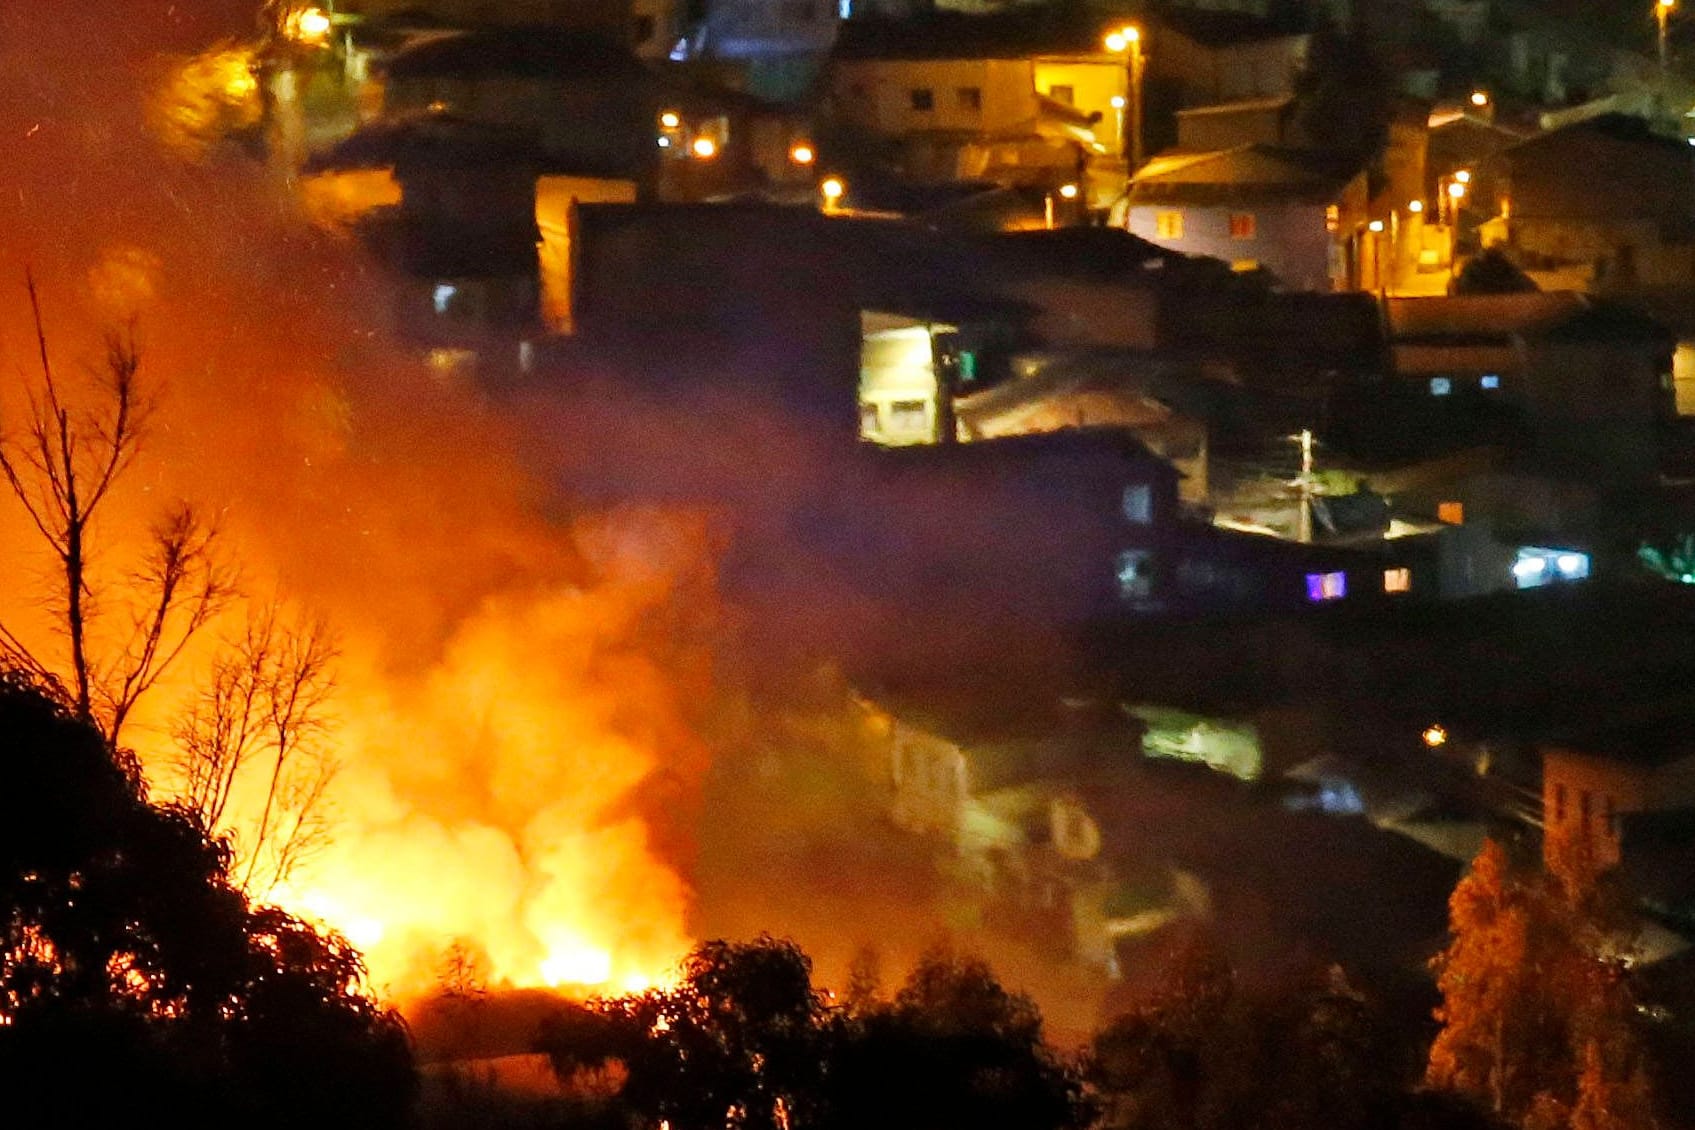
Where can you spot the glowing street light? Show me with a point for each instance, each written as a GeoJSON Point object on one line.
{"type": "Point", "coordinates": [704, 148]}
{"type": "Point", "coordinates": [1435, 736]}
{"type": "Point", "coordinates": [1456, 189]}
{"type": "Point", "coordinates": [670, 119]}
{"type": "Point", "coordinates": [1068, 191]}
{"type": "Point", "coordinates": [1480, 98]}
{"type": "Point", "coordinates": [1415, 206]}
{"type": "Point", "coordinates": [832, 189]}
{"type": "Point", "coordinates": [802, 154]}
{"type": "Point", "coordinates": [310, 26]}
{"type": "Point", "coordinates": [1463, 176]}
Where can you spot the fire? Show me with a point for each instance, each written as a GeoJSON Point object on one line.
{"type": "Point", "coordinates": [520, 701]}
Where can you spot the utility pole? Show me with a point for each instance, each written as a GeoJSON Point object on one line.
{"type": "Point", "coordinates": [1304, 484]}
{"type": "Point", "coordinates": [1662, 14]}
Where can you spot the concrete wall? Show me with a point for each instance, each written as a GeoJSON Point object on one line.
{"type": "Point", "coordinates": [877, 94]}
{"type": "Point", "coordinates": [1094, 84]}
{"type": "Point", "coordinates": [1290, 240]}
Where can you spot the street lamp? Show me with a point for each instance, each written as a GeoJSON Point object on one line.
{"type": "Point", "coordinates": [310, 26]}
{"type": "Point", "coordinates": [832, 190]}
{"type": "Point", "coordinates": [1127, 40]}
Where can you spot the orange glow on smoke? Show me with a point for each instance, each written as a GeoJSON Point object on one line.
{"type": "Point", "coordinates": [519, 705]}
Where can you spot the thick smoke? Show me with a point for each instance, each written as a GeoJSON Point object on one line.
{"type": "Point", "coordinates": [519, 701]}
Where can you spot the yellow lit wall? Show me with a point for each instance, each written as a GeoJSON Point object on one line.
{"type": "Point", "coordinates": [554, 199]}
{"type": "Point", "coordinates": [1094, 84]}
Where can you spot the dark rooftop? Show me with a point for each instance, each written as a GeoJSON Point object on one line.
{"type": "Point", "coordinates": [528, 52]}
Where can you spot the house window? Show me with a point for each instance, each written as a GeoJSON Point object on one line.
{"type": "Point", "coordinates": [1451, 513]}
{"type": "Point", "coordinates": [1326, 586]}
{"type": "Point", "coordinates": [1135, 574]}
{"type": "Point", "coordinates": [1243, 225]}
{"type": "Point", "coordinates": [1168, 225]}
{"type": "Point", "coordinates": [908, 417]}
{"type": "Point", "coordinates": [1489, 381]}
{"type": "Point", "coordinates": [970, 98]}
{"type": "Point", "coordinates": [1441, 386]}
{"type": "Point", "coordinates": [1332, 218]}
{"type": "Point", "coordinates": [1559, 804]}
{"type": "Point", "coordinates": [1139, 503]}
{"type": "Point", "coordinates": [1065, 94]}
{"type": "Point", "coordinates": [1397, 580]}
{"type": "Point", "coordinates": [923, 99]}
{"type": "Point", "coordinates": [869, 421]}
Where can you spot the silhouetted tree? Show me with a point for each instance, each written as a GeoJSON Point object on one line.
{"type": "Point", "coordinates": [1491, 272]}
{"type": "Point", "coordinates": [136, 982]}
{"type": "Point", "coordinates": [741, 1041]}
{"type": "Point", "coordinates": [953, 1048]}
{"type": "Point", "coordinates": [61, 468]}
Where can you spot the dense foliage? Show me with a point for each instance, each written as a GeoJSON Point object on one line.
{"type": "Point", "coordinates": [136, 981]}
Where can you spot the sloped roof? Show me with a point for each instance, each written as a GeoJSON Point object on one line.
{"type": "Point", "coordinates": [529, 52]}
{"type": "Point", "coordinates": [432, 140]}
{"type": "Point", "coordinates": [1254, 171]}
{"type": "Point", "coordinates": [1478, 318]}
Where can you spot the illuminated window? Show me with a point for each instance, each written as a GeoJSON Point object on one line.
{"type": "Point", "coordinates": [970, 98]}
{"type": "Point", "coordinates": [908, 417]}
{"type": "Point", "coordinates": [1065, 94]}
{"type": "Point", "coordinates": [1453, 513]}
{"type": "Point", "coordinates": [1397, 580]}
{"type": "Point", "coordinates": [1326, 586]}
{"type": "Point", "coordinates": [1168, 225]}
{"type": "Point", "coordinates": [923, 99]}
{"type": "Point", "coordinates": [1135, 574]}
{"type": "Point", "coordinates": [1441, 386]}
{"type": "Point", "coordinates": [869, 422]}
{"type": "Point", "coordinates": [1243, 266]}
{"type": "Point", "coordinates": [1243, 225]}
{"type": "Point", "coordinates": [1139, 503]}
{"type": "Point", "coordinates": [1332, 218]}
{"type": "Point", "coordinates": [442, 297]}
{"type": "Point", "coordinates": [1489, 381]}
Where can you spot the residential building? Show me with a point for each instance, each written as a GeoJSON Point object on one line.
{"type": "Point", "coordinates": [1589, 381]}
{"type": "Point", "coordinates": [1256, 207]}
{"type": "Point", "coordinates": [1210, 55]}
{"type": "Point", "coordinates": [1593, 786]}
{"type": "Point", "coordinates": [1605, 193]}
{"type": "Point", "coordinates": [1022, 97]}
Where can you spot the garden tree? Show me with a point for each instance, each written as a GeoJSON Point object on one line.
{"type": "Point", "coordinates": [1537, 1015]}
{"type": "Point", "coordinates": [954, 1047]}
{"type": "Point", "coordinates": [746, 1041]}
{"type": "Point", "coordinates": [1203, 1053]}
{"type": "Point", "coordinates": [260, 722]}
{"type": "Point", "coordinates": [62, 466]}
{"type": "Point", "coordinates": [1344, 98]}
{"type": "Point", "coordinates": [136, 981]}
{"type": "Point", "coordinates": [1492, 272]}
{"type": "Point", "coordinates": [741, 1041]}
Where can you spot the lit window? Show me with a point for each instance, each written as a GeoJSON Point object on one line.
{"type": "Point", "coordinates": [970, 98]}
{"type": "Point", "coordinates": [1332, 218]}
{"type": "Point", "coordinates": [1243, 266]}
{"type": "Point", "coordinates": [1452, 513]}
{"type": "Point", "coordinates": [923, 99]}
{"type": "Point", "coordinates": [1489, 381]}
{"type": "Point", "coordinates": [1065, 94]}
{"type": "Point", "coordinates": [1326, 586]}
{"type": "Point", "coordinates": [1243, 225]}
{"type": "Point", "coordinates": [869, 423]}
{"type": "Point", "coordinates": [1397, 580]}
{"type": "Point", "coordinates": [1135, 574]}
{"type": "Point", "coordinates": [1168, 225]}
{"type": "Point", "coordinates": [1441, 386]}
{"type": "Point", "coordinates": [442, 297]}
{"type": "Point", "coordinates": [1139, 503]}
{"type": "Point", "coordinates": [908, 417]}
